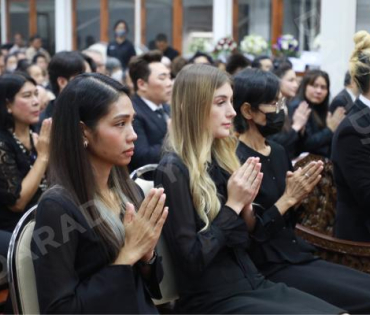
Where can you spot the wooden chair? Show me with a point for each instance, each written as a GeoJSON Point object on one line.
{"type": "Point", "coordinates": [316, 222]}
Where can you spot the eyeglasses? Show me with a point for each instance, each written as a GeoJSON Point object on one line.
{"type": "Point", "coordinates": [279, 104]}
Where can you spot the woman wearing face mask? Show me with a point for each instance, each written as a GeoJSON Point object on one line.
{"type": "Point", "coordinates": [24, 155]}
{"type": "Point", "coordinates": [292, 129]}
{"type": "Point", "coordinates": [318, 131]}
{"type": "Point", "coordinates": [278, 253]}
{"type": "Point", "coordinates": [11, 62]}
{"type": "Point", "coordinates": [121, 48]}
{"type": "Point", "coordinates": [211, 195]}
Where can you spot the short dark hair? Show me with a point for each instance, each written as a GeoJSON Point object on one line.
{"type": "Point", "coordinates": [119, 22]}
{"type": "Point", "coordinates": [64, 64]}
{"type": "Point", "coordinates": [255, 87]}
{"type": "Point", "coordinates": [139, 66]}
{"type": "Point", "coordinates": [36, 36]}
{"type": "Point", "coordinates": [37, 56]}
{"type": "Point", "coordinates": [23, 65]}
{"type": "Point", "coordinates": [236, 61]}
{"type": "Point", "coordinates": [347, 79]}
{"type": "Point", "coordinates": [90, 61]}
{"type": "Point", "coordinates": [282, 70]}
{"type": "Point", "coordinates": [201, 54]}
{"type": "Point", "coordinates": [161, 38]}
{"type": "Point", "coordinates": [256, 63]}
{"type": "Point", "coordinates": [10, 85]}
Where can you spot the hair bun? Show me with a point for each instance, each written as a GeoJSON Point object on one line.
{"type": "Point", "coordinates": [362, 40]}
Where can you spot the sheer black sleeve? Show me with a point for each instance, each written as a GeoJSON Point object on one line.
{"type": "Point", "coordinates": [60, 289]}
{"type": "Point", "coordinates": [10, 177]}
{"type": "Point", "coordinates": [195, 248]}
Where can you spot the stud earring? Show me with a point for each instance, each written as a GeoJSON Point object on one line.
{"type": "Point", "coordinates": [85, 144]}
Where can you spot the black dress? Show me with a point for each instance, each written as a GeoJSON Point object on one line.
{"type": "Point", "coordinates": [283, 257]}
{"type": "Point", "coordinates": [73, 272]}
{"type": "Point", "coordinates": [213, 270]}
{"type": "Point", "coordinates": [15, 163]}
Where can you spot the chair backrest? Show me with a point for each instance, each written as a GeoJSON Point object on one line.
{"type": "Point", "coordinates": [21, 274]}
{"type": "Point", "coordinates": [168, 284]}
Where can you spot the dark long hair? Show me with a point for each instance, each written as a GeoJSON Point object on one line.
{"type": "Point", "coordinates": [10, 85]}
{"type": "Point", "coordinates": [319, 111]}
{"type": "Point", "coordinates": [255, 87]}
{"type": "Point", "coordinates": [87, 98]}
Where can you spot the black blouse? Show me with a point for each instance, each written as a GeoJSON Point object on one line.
{"type": "Point", "coordinates": [316, 139]}
{"type": "Point", "coordinates": [14, 167]}
{"type": "Point", "coordinates": [275, 243]}
{"type": "Point", "coordinates": [214, 261]}
{"type": "Point", "coordinates": [73, 272]}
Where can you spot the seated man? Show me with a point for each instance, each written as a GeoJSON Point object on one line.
{"type": "Point", "coordinates": [153, 87]}
{"type": "Point", "coordinates": [347, 96]}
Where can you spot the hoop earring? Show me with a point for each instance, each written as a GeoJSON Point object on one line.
{"type": "Point", "coordinates": [85, 144]}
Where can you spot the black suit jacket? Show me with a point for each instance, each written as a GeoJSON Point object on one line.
{"type": "Point", "coordinates": [351, 158]}
{"type": "Point", "coordinates": [150, 130]}
{"type": "Point", "coordinates": [343, 99]}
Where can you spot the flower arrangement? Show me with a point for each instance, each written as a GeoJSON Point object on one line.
{"type": "Point", "coordinates": [224, 47]}
{"type": "Point", "coordinates": [198, 44]}
{"type": "Point", "coordinates": [287, 46]}
{"type": "Point", "coordinates": [253, 45]}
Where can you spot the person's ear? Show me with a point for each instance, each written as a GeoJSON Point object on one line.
{"type": "Point", "coordinates": [142, 85]}
{"type": "Point", "coordinates": [86, 134]}
{"type": "Point", "coordinates": [246, 110]}
{"type": "Point", "coordinates": [62, 83]}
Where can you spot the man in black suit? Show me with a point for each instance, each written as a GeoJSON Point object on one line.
{"type": "Point", "coordinates": [347, 96]}
{"type": "Point", "coordinates": [153, 87]}
{"type": "Point", "coordinates": [351, 158]}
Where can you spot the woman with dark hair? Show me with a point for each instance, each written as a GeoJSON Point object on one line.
{"type": "Point", "coordinates": [278, 253]}
{"type": "Point", "coordinates": [101, 256]}
{"type": "Point", "coordinates": [211, 196]}
{"type": "Point", "coordinates": [293, 128]}
{"type": "Point", "coordinates": [351, 152]}
{"type": "Point", "coordinates": [24, 155]}
{"type": "Point", "coordinates": [318, 131]}
{"type": "Point", "coordinates": [121, 48]}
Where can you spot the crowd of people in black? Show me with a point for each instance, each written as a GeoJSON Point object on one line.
{"type": "Point", "coordinates": [72, 127]}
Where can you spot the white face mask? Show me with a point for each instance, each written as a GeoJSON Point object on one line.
{"type": "Point", "coordinates": [11, 68]}
{"type": "Point", "coordinates": [117, 75]}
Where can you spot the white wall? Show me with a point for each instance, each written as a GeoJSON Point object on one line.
{"type": "Point", "coordinates": [338, 25]}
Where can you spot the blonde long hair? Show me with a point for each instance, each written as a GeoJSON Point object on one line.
{"type": "Point", "coordinates": [191, 139]}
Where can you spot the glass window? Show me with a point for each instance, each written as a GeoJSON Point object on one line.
{"type": "Point", "coordinates": [122, 10]}
{"type": "Point", "coordinates": [254, 18]}
{"type": "Point", "coordinates": [88, 23]}
{"type": "Point", "coordinates": [363, 14]}
{"type": "Point", "coordinates": [302, 20]}
{"type": "Point", "coordinates": [158, 10]}
{"type": "Point", "coordinates": [19, 19]}
{"type": "Point", "coordinates": [46, 23]}
{"type": "Point", "coordinates": [197, 22]}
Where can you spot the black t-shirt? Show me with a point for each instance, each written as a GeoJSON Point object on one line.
{"type": "Point", "coordinates": [123, 52]}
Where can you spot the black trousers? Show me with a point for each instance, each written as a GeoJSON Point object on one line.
{"type": "Point", "coordinates": [338, 285]}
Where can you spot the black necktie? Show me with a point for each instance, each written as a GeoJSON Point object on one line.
{"type": "Point", "coordinates": [161, 114]}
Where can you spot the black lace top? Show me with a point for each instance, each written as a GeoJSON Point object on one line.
{"type": "Point", "coordinates": [15, 163]}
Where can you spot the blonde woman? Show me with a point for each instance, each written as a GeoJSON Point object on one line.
{"type": "Point", "coordinates": [351, 150]}
{"type": "Point", "coordinates": [210, 195]}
